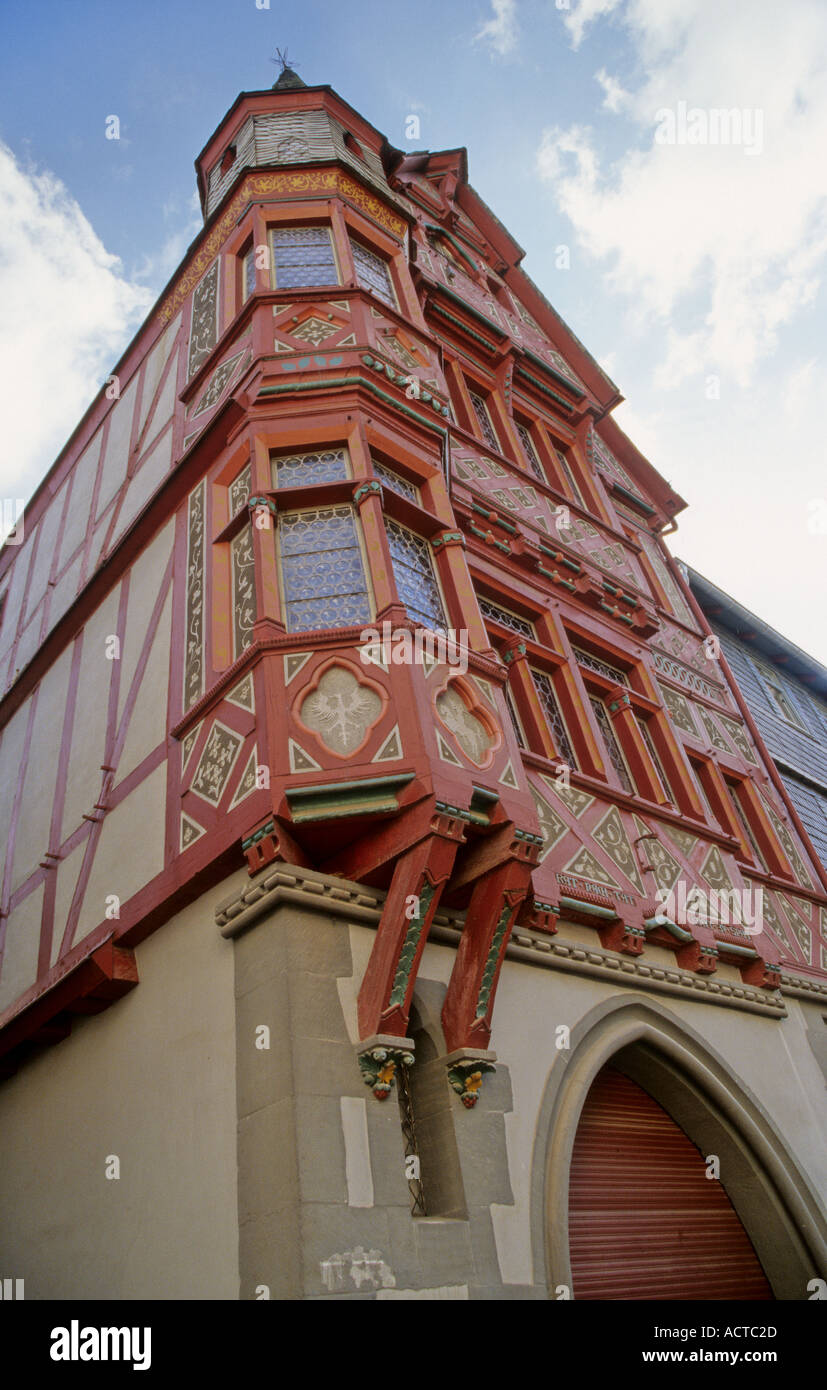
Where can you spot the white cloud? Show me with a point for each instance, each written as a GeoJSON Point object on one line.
{"type": "Point", "coordinates": [67, 314]}
{"type": "Point", "coordinates": [615, 97]}
{"type": "Point", "coordinates": [726, 245]}
{"type": "Point", "coordinates": [501, 30]}
{"type": "Point", "coordinates": [578, 20]}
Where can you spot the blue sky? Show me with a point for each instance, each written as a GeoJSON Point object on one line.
{"type": "Point", "coordinates": [696, 273]}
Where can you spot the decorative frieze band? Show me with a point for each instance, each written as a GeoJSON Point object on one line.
{"type": "Point", "coordinates": [308, 888]}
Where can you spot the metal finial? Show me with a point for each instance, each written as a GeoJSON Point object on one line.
{"type": "Point", "coordinates": [282, 58]}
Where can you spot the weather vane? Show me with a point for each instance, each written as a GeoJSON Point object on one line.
{"type": "Point", "coordinates": [282, 58]}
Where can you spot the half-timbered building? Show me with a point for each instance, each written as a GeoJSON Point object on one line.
{"type": "Point", "coordinates": [382, 835]}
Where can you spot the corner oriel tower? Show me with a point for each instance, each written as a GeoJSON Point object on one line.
{"type": "Point", "coordinates": [342, 654]}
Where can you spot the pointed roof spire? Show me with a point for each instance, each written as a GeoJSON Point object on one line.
{"type": "Point", "coordinates": [288, 79]}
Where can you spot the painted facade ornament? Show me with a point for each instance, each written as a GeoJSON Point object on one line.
{"type": "Point", "coordinates": [410, 946]}
{"type": "Point", "coordinates": [218, 381]}
{"type": "Point", "coordinates": [314, 330]}
{"type": "Point", "coordinates": [378, 1067]}
{"type": "Point", "coordinates": [664, 865]}
{"type": "Point", "coordinates": [491, 960]}
{"type": "Point", "coordinates": [473, 734]}
{"type": "Point", "coordinates": [584, 865]}
{"type": "Point", "coordinates": [341, 710]}
{"type": "Point", "coordinates": [239, 490]}
{"type": "Point", "coordinates": [244, 588]}
{"type": "Point", "coordinates": [194, 649]}
{"type": "Point", "coordinates": [216, 763]}
{"type": "Point", "coordinates": [465, 1077]}
{"type": "Point", "coordinates": [610, 834]}
{"type": "Point", "coordinates": [204, 328]}
{"type": "Point", "coordinates": [552, 826]}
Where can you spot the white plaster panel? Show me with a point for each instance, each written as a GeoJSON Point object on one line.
{"type": "Point", "coordinates": [148, 724]}
{"type": "Point", "coordinates": [36, 804]}
{"type": "Point", "coordinates": [47, 531]}
{"type": "Point", "coordinates": [67, 876]}
{"type": "Point", "coordinates": [169, 1228]}
{"type": "Point", "coordinates": [165, 408]}
{"type": "Point", "coordinates": [144, 583]}
{"type": "Point", "coordinates": [80, 500]}
{"type": "Point", "coordinates": [155, 366]}
{"type": "Point", "coordinates": [11, 742]}
{"type": "Point", "coordinates": [22, 944]}
{"type": "Point", "coordinates": [15, 592]}
{"type": "Point", "coordinates": [89, 732]}
{"type": "Point", "coordinates": [146, 482]}
{"type": "Point", "coordinates": [130, 850]}
{"type": "Point", "coordinates": [65, 591]}
{"type": "Point", "coordinates": [116, 457]}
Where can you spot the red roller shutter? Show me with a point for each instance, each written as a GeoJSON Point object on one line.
{"type": "Point", "coordinates": [644, 1219]}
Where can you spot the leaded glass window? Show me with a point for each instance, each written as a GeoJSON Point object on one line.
{"type": "Point", "coordinates": [249, 272]}
{"type": "Point", "coordinates": [529, 450]}
{"type": "Point", "coordinates": [569, 476]}
{"type": "Point", "coordinates": [372, 273]}
{"type": "Point", "coordinates": [322, 570]}
{"type": "Point", "coordinates": [413, 571]}
{"type": "Point", "coordinates": [616, 758]}
{"type": "Point", "coordinates": [514, 719]}
{"type": "Point", "coordinates": [297, 470]}
{"type": "Point", "coordinates": [554, 715]}
{"type": "Point", "coordinates": [653, 754]}
{"type": "Point", "coordinates": [743, 817]}
{"type": "Point", "coordinates": [303, 256]}
{"type": "Point", "coordinates": [484, 421]}
{"type": "Point", "coordinates": [603, 668]}
{"type": "Point", "coordinates": [394, 481]}
{"type": "Point", "coordinates": [507, 619]}
{"type": "Point", "coordinates": [696, 770]}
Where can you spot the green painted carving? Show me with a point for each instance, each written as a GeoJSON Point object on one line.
{"type": "Point", "coordinates": [409, 945]}
{"type": "Point", "coordinates": [465, 1078]}
{"type": "Point", "coordinates": [378, 1068]}
{"type": "Point", "coordinates": [491, 963]}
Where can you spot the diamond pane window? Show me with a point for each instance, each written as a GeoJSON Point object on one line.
{"type": "Point", "coordinates": [394, 482]}
{"type": "Point", "coordinates": [612, 746]}
{"type": "Point", "coordinates": [373, 273]}
{"type": "Point", "coordinates": [529, 450]}
{"type": "Point", "coordinates": [603, 668]}
{"type": "Point", "coordinates": [303, 256]}
{"type": "Point", "coordinates": [554, 716]}
{"type": "Point", "coordinates": [322, 570]}
{"type": "Point", "coordinates": [484, 421]}
{"type": "Point", "coordinates": [509, 620]}
{"type": "Point", "coordinates": [297, 470]}
{"type": "Point", "coordinates": [413, 571]}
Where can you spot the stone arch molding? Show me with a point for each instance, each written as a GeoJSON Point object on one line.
{"type": "Point", "coordinates": [766, 1185]}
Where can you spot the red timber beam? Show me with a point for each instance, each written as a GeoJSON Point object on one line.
{"type": "Point", "coordinates": [504, 883]}
{"type": "Point", "coordinates": [89, 988]}
{"type": "Point", "coordinates": [419, 877]}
